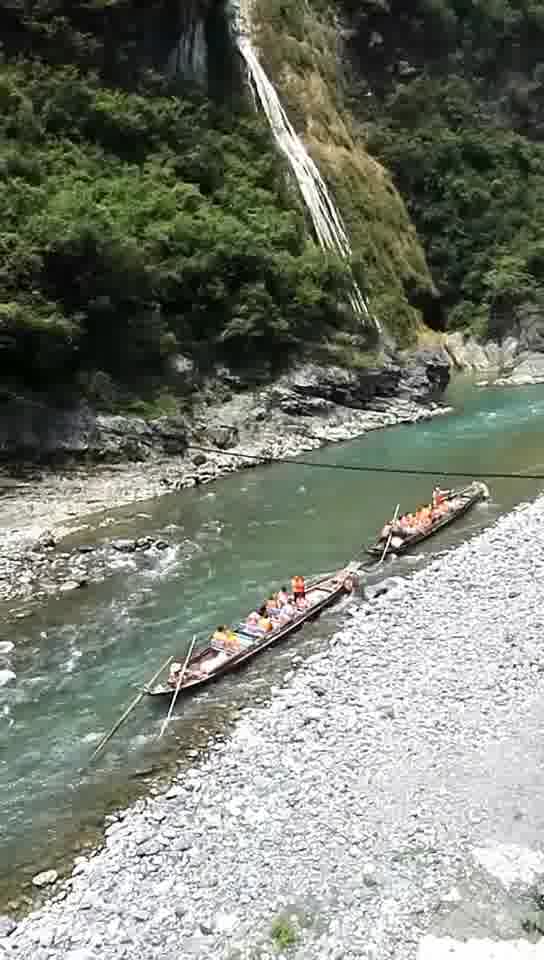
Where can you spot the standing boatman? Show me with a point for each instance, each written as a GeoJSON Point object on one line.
{"type": "Point", "coordinates": [298, 587]}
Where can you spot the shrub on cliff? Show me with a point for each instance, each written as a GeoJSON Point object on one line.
{"type": "Point", "coordinates": [452, 98]}
{"type": "Point", "coordinates": [136, 224]}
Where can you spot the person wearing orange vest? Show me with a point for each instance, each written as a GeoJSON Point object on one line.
{"type": "Point", "coordinates": [298, 587]}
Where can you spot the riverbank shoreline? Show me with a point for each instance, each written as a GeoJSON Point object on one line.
{"type": "Point", "coordinates": [388, 793]}
{"type": "Point", "coordinates": [45, 506]}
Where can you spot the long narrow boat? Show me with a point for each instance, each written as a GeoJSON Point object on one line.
{"type": "Point", "coordinates": [213, 661]}
{"type": "Point", "coordinates": [459, 501]}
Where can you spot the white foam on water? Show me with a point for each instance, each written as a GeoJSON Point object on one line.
{"type": "Point", "coordinates": [72, 661]}
{"type": "Point", "coordinates": [91, 737]}
{"type": "Point", "coordinates": [510, 863]}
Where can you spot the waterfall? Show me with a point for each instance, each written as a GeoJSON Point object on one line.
{"type": "Point", "coordinates": [189, 58]}
{"type": "Point", "coordinates": [327, 221]}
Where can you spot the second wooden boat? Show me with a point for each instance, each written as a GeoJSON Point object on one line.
{"type": "Point", "coordinates": [214, 660]}
{"type": "Point", "coordinates": [459, 501]}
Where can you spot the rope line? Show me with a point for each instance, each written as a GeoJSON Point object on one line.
{"type": "Point", "coordinates": [365, 468]}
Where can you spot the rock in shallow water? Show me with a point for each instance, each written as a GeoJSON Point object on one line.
{"type": "Point", "coordinates": [45, 879]}
{"type": "Point", "coordinates": [7, 926]}
{"type": "Point", "coordinates": [124, 546]}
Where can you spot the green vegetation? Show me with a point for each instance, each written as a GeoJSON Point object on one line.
{"type": "Point", "coordinates": [137, 224]}
{"type": "Point", "coordinates": [451, 95]}
{"type": "Point", "coordinates": [283, 932]}
{"type": "Point", "coordinates": [299, 47]}
{"type": "Point", "coordinates": [140, 223]}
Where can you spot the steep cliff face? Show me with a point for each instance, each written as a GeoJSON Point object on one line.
{"type": "Point", "coordinates": [301, 49]}
{"type": "Point", "coordinates": [451, 95]}
{"type": "Point", "coordinates": [149, 220]}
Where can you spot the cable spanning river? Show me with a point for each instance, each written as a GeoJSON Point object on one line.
{"type": "Point", "coordinates": [79, 659]}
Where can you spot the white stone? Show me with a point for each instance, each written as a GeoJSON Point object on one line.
{"type": "Point", "coordinates": [45, 879]}
{"type": "Point", "coordinates": [446, 948]}
{"type": "Point", "coordinates": [225, 922]}
{"type": "Point", "coordinates": [510, 863]}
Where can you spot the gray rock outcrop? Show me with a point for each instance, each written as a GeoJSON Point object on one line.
{"type": "Point", "coordinates": [31, 429]}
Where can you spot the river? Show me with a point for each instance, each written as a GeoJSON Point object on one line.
{"type": "Point", "coordinates": [79, 659]}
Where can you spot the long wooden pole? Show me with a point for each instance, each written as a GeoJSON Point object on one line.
{"type": "Point", "coordinates": [178, 687]}
{"type": "Point", "coordinates": [126, 713]}
{"type": "Point", "coordinates": [390, 537]}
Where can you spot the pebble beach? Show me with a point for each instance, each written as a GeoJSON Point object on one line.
{"type": "Point", "coordinates": [388, 802]}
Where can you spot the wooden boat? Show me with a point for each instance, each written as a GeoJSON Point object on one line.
{"type": "Point", "coordinates": [459, 500]}
{"type": "Point", "coordinates": [214, 660]}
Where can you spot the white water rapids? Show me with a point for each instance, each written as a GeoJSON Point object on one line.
{"type": "Point", "coordinates": [327, 221]}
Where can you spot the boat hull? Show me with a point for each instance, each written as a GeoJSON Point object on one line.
{"type": "Point", "coordinates": [333, 590]}
{"type": "Point", "coordinates": [480, 492]}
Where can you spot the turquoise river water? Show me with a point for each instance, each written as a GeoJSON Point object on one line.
{"type": "Point", "coordinates": [79, 660]}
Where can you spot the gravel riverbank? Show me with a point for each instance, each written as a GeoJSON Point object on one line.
{"type": "Point", "coordinates": [390, 797]}
{"type": "Point", "coordinates": [42, 507]}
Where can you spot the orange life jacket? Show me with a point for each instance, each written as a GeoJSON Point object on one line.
{"type": "Point", "coordinates": [297, 584]}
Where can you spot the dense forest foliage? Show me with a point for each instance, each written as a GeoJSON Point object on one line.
{"type": "Point", "coordinates": [142, 220]}
{"type": "Point", "coordinates": [138, 224]}
{"type": "Point", "coordinates": [451, 94]}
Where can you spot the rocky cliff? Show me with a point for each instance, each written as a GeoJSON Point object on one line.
{"type": "Point", "coordinates": [149, 221]}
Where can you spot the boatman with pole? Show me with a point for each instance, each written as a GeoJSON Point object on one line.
{"type": "Point", "coordinates": [298, 587]}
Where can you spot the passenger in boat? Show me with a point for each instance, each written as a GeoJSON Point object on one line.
{"type": "Point", "coordinates": [264, 623]}
{"type": "Point", "coordinates": [252, 622]}
{"type": "Point", "coordinates": [220, 635]}
{"type": "Point", "coordinates": [299, 587]}
{"type": "Point", "coordinates": [283, 597]}
{"type": "Point", "coordinates": [173, 674]}
{"type": "Point", "coordinates": [406, 524]}
{"type": "Point", "coordinates": [301, 603]}
{"type": "Point", "coordinates": [272, 606]}
{"type": "Point", "coordinates": [232, 642]}
{"type": "Point", "coordinates": [288, 609]}
{"type": "Point", "coordinates": [439, 496]}
{"type": "Point", "coordinates": [287, 613]}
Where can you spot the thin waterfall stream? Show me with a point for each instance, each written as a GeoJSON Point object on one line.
{"type": "Point", "coordinates": [326, 218]}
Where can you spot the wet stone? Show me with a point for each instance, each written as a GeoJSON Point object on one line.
{"type": "Point", "coordinates": [44, 879]}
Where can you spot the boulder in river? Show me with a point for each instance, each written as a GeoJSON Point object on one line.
{"type": "Point", "coordinates": [144, 543]}
{"type": "Point", "coordinates": [124, 546]}
{"type": "Point", "coordinates": [45, 879]}
{"type": "Point", "coordinates": [528, 371]}
{"type": "Point", "coordinates": [45, 542]}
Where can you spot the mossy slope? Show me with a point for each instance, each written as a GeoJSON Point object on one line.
{"type": "Point", "coordinates": [298, 44]}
